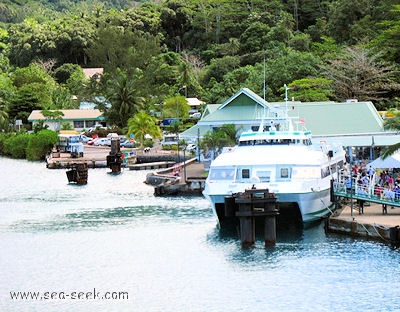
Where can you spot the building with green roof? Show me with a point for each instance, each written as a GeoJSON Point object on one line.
{"type": "Point", "coordinates": [354, 124]}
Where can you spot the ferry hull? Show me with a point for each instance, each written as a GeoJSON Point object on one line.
{"type": "Point", "coordinates": [302, 207]}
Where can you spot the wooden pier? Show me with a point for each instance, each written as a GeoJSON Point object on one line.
{"type": "Point", "coordinates": [151, 165]}
{"type": "Point", "coordinates": [185, 178]}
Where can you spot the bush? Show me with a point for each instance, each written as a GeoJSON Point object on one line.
{"type": "Point", "coordinates": [3, 138]}
{"type": "Point", "coordinates": [148, 143]}
{"type": "Point", "coordinates": [41, 144]}
{"type": "Point", "coordinates": [15, 146]}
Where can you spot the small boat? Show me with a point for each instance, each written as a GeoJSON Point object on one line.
{"type": "Point", "coordinates": [280, 156]}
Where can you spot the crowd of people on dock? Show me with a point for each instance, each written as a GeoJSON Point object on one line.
{"type": "Point", "coordinates": [362, 179]}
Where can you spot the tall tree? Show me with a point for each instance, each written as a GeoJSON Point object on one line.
{"type": "Point", "coordinates": [387, 43]}
{"type": "Point", "coordinates": [142, 124]}
{"type": "Point", "coordinates": [176, 107]}
{"type": "Point", "coordinates": [311, 89]}
{"type": "Point", "coordinates": [123, 94]}
{"type": "Point", "coordinates": [357, 74]}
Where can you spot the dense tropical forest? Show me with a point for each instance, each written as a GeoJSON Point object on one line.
{"type": "Point", "coordinates": [155, 51]}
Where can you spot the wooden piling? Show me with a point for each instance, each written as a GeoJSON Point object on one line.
{"type": "Point", "coordinates": [270, 231]}
{"type": "Point", "coordinates": [78, 173]}
{"type": "Point", "coordinates": [115, 158]}
{"type": "Point", "coordinates": [252, 204]}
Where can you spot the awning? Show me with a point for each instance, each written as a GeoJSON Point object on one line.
{"type": "Point", "coordinates": [392, 161]}
{"type": "Point", "coordinates": [365, 140]}
{"type": "Point", "coordinates": [385, 140]}
{"type": "Point", "coordinates": [354, 140]}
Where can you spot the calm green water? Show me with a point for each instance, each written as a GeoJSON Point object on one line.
{"type": "Point", "coordinates": [167, 254]}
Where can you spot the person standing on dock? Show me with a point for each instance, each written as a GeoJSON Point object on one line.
{"type": "Point", "coordinates": [349, 184]}
{"type": "Point", "coordinates": [391, 181]}
{"type": "Point", "coordinates": [355, 169]}
{"type": "Point", "coordinates": [371, 172]}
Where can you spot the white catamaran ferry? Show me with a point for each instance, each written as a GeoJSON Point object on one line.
{"type": "Point", "coordinates": [283, 160]}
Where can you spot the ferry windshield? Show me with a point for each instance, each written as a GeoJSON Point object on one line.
{"type": "Point", "coordinates": [221, 173]}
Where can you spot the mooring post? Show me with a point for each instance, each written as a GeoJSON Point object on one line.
{"type": "Point", "coordinates": [270, 231]}
{"type": "Point", "coordinates": [247, 227]}
{"type": "Point", "coordinates": [78, 173]}
{"type": "Point", "coordinates": [114, 159]}
{"type": "Point", "coordinates": [270, 220]}
{"type": "Point", "coordinates": [252, 204]}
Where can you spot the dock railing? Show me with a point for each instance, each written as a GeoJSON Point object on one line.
{"type": "Point", "coordinates": [369, 191]}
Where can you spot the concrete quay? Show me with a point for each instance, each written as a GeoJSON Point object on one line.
{"type": "Point", "coordinates": [96, 157]}
{"type": "Point", "coordinates": [93, 156]}
{"type": "Point", "coordinates": [185, 178]}
{"type": "Point", "coordinates": [374, 223]}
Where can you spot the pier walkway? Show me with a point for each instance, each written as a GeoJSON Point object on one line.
{"type": "Point", "coordinates": [369, 192]}
{"type": "Point", "coordinates": [366, 210]}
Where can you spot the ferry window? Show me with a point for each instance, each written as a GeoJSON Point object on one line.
{"type": "Point", "coordinates": [222, 174]}
{"type": "Point", "coordinates": [284, 173]}
{"type": "Point", "coordinates": [245, 173]}
{"type": "Point", "coordinates": [325, 172]}
{"type": "Point", "coordinates": [265, 176]}
{"type": "Point", "coordinates": [306, 173]}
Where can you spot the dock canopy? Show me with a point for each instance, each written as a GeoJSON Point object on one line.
{"type": "Point", "coordinates": [392, 161]}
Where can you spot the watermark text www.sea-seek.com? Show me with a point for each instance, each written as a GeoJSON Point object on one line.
{"type": "Point", "coordinates": [73, 295]}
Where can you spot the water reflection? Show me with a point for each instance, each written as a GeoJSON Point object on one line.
{"type": "Point", "coordinates": [169, 253]}
{"type": "Point", "coordinates": [102, 218]}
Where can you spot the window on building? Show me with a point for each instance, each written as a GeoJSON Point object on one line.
{"type": "Point", "coordinates": [78, 124]}
{"type": "Point", "coordinates": [90, 123]}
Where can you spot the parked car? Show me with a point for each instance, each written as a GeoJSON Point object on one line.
{"type": "Point", "coordinates": [195, 115]}
{"type": "Point", "coordinates": [102, 142]}
{"type": "Point", "coordinates": [127, 144]}
{"type": "Point", "coordinates": [84, 139]}
{"type": "Point", "coordinates": [191, 147]}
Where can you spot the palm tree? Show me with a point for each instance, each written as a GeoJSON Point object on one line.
{"type": "Point", "coordinates": [123, 93]}
{"type": "Point", "coordinates": [142, 124]}
{"type": "Point", "coordinates": [214, 141]}
{"type": "Point", "coordinates": [393, 124]}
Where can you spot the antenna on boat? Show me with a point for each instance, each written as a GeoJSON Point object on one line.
{"type": "Point", "coordinates": [286, 108]}
{"type": "Point", "coordinates": [264, 80]}
{"type": "Point", "coordinates": [261, 127]}
{"type": "Point", "coordinates": [286, 98]}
